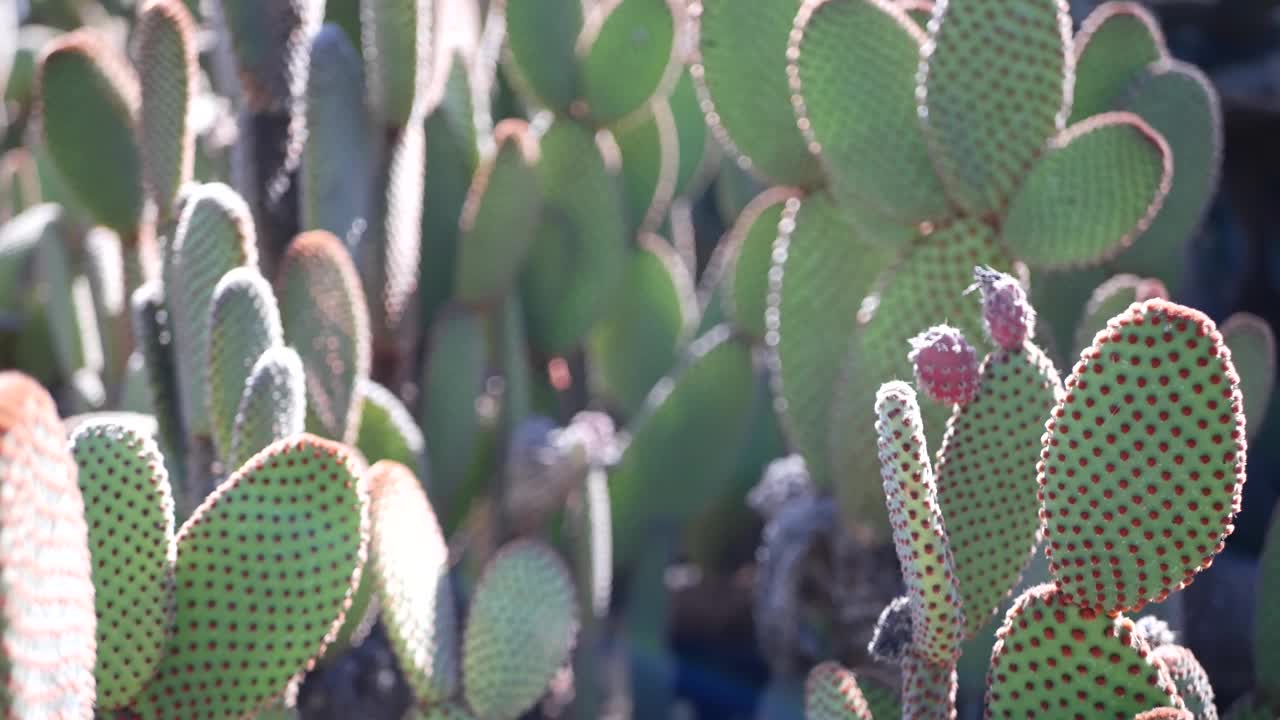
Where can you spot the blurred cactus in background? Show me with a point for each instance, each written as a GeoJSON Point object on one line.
{"type": "Point", "coordinates": [501, 359]}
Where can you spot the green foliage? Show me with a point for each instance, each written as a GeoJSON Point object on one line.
{"type": "Point", "coordinates": [832, 693]}
{"type": "Point", "coordinates": [632, 39]}
{"type": "Point", "coordinates": [273, 404]}
{"type": "Point", "coordinates": [168, 68]}
{"type": "Point", "coordinates": [398, 38]}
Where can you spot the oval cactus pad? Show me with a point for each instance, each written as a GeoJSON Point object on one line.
{"type": "Point", "coordinates": [129, 509]}
{"type": "Point", "coordinates": [832, 693]}
{"type": "Point", "coordinates": [266, 567]}
{"type": "Point", "coordinates": [1144, 459]}
{"type": "Point", "coordinates": [1054, 659]}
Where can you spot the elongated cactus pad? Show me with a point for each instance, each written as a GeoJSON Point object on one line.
{"type": "Point", "coordinates": [245, 322]}
{"type": "Point", "coordinates": [740, 73]}
{"type": "Point", "coordinates": [634, 39]}
{"type": "Point", "coordinates": [337, 161]}
{"type": "Point", "coordinates": [928, 568]}
{"type": "Point", "coordinates": [579, 253]}
{"type": "Point", "coordinates": [325, 318]}
{"type": "Point", "coordinates": [1144, 459]}
{"type": "Point", "coordinates": [984, 149]}
{"type": "Point", "coordinates": [1098, 186]}
{"type": "Point", "coordinates": [1054, 658]}
{"type": "Point", "coordinates": [453, 379]}
{"type": "Point", "coordinates": [1189, 678]}
{"type": "Point", "coordinates": [47, 633]}
{"type": "Point", "coordinates": [499, 216]}
{"type": "Point", "coordinates": [832, 693]}
{"type": "Point", "coordinates": [541, 39]}
{"type": "Point", "coordinates": [751, 242]}
{"type": "Point", "coordinates": [410, 563]}
{"type": "Point", "coordinates": [650, 148]}
{"type": "Point", "coordinates": [397, 35]}
{"type": "Point", "coordinates": [168, 68]}
{"type": "Point", "coordinates": [928, 690]}
{"type": "Point", "coordinates": [389, 255]}
{"type": "Point", "coordinates": [1116, 41]}
{"type": "Point", "coordinates": [273, 404]}
{"type": "Point", "coordinates": [842, 52]}
{"type": "Point", "coordinates": [1253, 352]}
{"type": "Point", "coordinates": [639, 340]}
{"type": "Point", "coordinates": [266, 567]}
{"type": "Point", "coordinates": [271, 41]}
{"type": "Point", "coordinates": [214, 235]}
{"type": "Point", "coordinates": [1266, 621]}
{"type": "Point", "coordinates": [521, 626]}
{"type": "Point", "coordinates": [129, 511]}
{"type": "Point", "coordinates": [692, 425]}
{"type": "Point", "coordinates": [986, 477]}
{"type": "Point", "coordinates": [88, 102]}
{"type": "Point", "coordinates": [154, 338]}
{"type": "Point", "coordinates": [387, 429]}
{"type": "Point", "coordinates": [821, 272]}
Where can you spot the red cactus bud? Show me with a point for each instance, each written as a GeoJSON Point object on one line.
{"type": "Point", "coordinates": [1007, 315]}
{"type": "Point", "coordinates": [945, 364]}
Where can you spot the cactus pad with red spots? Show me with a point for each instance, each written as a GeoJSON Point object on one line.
{"type": "Point", "coordinates": [928, 690]}
{"type": "Point", "coordinates": [1054, 659]}
{"type": "Point", "coordinates": [1190, 679]}
{"type": "Point", "coordinates": [831, 693]}
{"type": "Point", "coordinates": [987, 480]}
{"type": "Point", "coordinates": [129, 509]}
{"type": "Point", "coordinates": [1144, 459]}
{"type": "Point", "coordinates": [918, 533]}
{"type": "Point", "coordinates": [266, 568]}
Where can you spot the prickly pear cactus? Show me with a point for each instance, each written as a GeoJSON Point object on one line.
{"type": "Point", "coordinates": [129, 510]}
{"type": "Point", "coordinates": [273, 404]}
{"type": "Point", "coordinates": [47, 664]}
{"type": "Point", "coordinates": [831, 693]}
{"type": "Point", "coordinates": [265, 569]}
{"type": "Point", "coordinates": [168, 67]}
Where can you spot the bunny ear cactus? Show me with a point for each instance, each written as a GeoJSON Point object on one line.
{"type": "Point", "coordinates": [322, 308]}
{"type": "Point", "coordinates": [1253, 352]}
{"type": "Point", "coordinates": [129, 510]}
{"type": "Point", "coordinates": [266, 567]}
{"type": "Point", "coordinates": [1266, 628]}
{"type": "Point", "coordinates": [1112, 298]}
{"type": "Point", "coordinates": [388, 430]}
{"type": "Point", "coordinates": [272, 405]}
{"type": "Point", "coordinates": [1189, 679]}
{"type": "Point", "coordinates": [152, 331]}
{"type": "Point", "coordinates": [832, 693]}
{"type": "Point", "coordinates": [168, 70]}
{"type": "Point", "coordinates": [48, 625]}
{"type": "Point", "coordinates": [398, 37]}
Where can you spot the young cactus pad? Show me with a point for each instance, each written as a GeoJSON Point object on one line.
{"type": "Point", "coordinates": [1144, 459]}
{"type": "Point", "coordinates": [522, 625]}
{"type": "Point", "coordinates": [410, 564]}
{"type": "Point", "coordinates": [169, 72]}
{"type": "Point", "coordinates": [129, 509]}
{"type": "Point", "coordinates": [47, 618]}
{"type": "Point", "coordinates": [266, 567]}
{"type": "Point", "coordinates": [831, 693]}
{"type": "Point", "coordinates": [273, 405]}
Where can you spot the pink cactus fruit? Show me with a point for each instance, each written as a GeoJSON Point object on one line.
{"type": "Point", "coordinates": [945, 364]}
{"type": "Point", "coordinates": [1007, 314]}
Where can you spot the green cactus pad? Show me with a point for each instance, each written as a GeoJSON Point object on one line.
{"type": "Point", "coordinates": [336, 172]}
{"type": "Point", "coordinates": [214, 235]}
{"type": "Point", "coordinates": [926, 285]}
{"type": "Point", "coordinates": [691, 426]}
{"type": "Point", "coordinates": [541, 41]}
{"type": "Point", "coordinates": [270, 43]}
{"type": "Point", "coordinates": [129, 511]}
{"type": "Point", "coordinates": [579, 253]}
{"type": "Point", "coordinates": [521, 626]}
{"type": "Point", "coordinates": [822, 271]}
{"type": "Point", "coordinates": [1144, 459]}
{"type": "Point", "coordinates": [266, 567]}
{"type": "Point", "coordinates": [650, 149]}
{"type": "Point", "coordinates": [843, 52]}
{"type": "Point", "coordinates": [168, 68]}
{"type": "Point", "coordinates": [47, 620]}
{"type": "Point", "coordinates": [1189, 678]}
{"type": "Point", "coordinates": [1253, 352]}
{"type": "Point", "coordinates": [928, 689]}
{"type": "Point", "coordinates": [103, 263]}
{"type": "Point", "coordinates": [1015, 62]}
{"type": "Point", "coordinates": [1266, 621]}
{"type": "Point", "coordinates": [1110, 299]}
{"type": "Point", "coordinates": [391, 253]}
{"type": "Point", "coordinates": [154, 338]}
{"type": "Point", "coordinates": [831, 693]}
{"type": "Point", "coordinates": [447, 711]}
{"type": "Point", "coordinates": [410, 563]}
{"type": "Point", "coordinates": [397, 38]}
{"type": "Point", "coordinates": [88, 102]}
{"type": "Point", "coordinates": [854, 465]}
{"type": "Point", "coordinates": [638, 40]}
{"type": "Point", "coordinates": [273, 405]}
{"type": "Point", "coordinates": [387, 429]}
{"type": "Point", "coordinates": [638, 341]}
{"type": "Point", "coordinates": [325, 317]}
{"type": "Point", "coordinates": [750, 245]}
{"type": "Point", "coordinates": [1115, 43]}
{"type": "Point", "coordinates": [498, 217]}
{"type": "Point", "coordinates": [71, 346]}
{"type": "Point", "coordinates": [244, 323]}
{"type": "Point", "coordinates": [1054, 658]}
{"type": "Point", "coordinates": [453, 379]}
{"type": "Point", "coordinates": [1181, 104]}
{"type": "Point", "coordinates": [928, 568]}
{"type": "Point", "coordinates": [986, 477]}
{"type": "Point", "coordinates": [740, 73]}
{"type": "Point", "coordinates": [695, 144]}
{"type": "Point", "coordinates": [1096, 188]}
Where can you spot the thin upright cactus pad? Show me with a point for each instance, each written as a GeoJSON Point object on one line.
{"type": "Point", "coordinates": [831, 693]}
{"type": "Point", "coordinates": [129, 509]}
{"type": "Point", "coordinates": [47, 645]}
{"type": "Point", "coordinates": [273, 404]}
{"type": "Point", "coordinates": [168, 70]}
